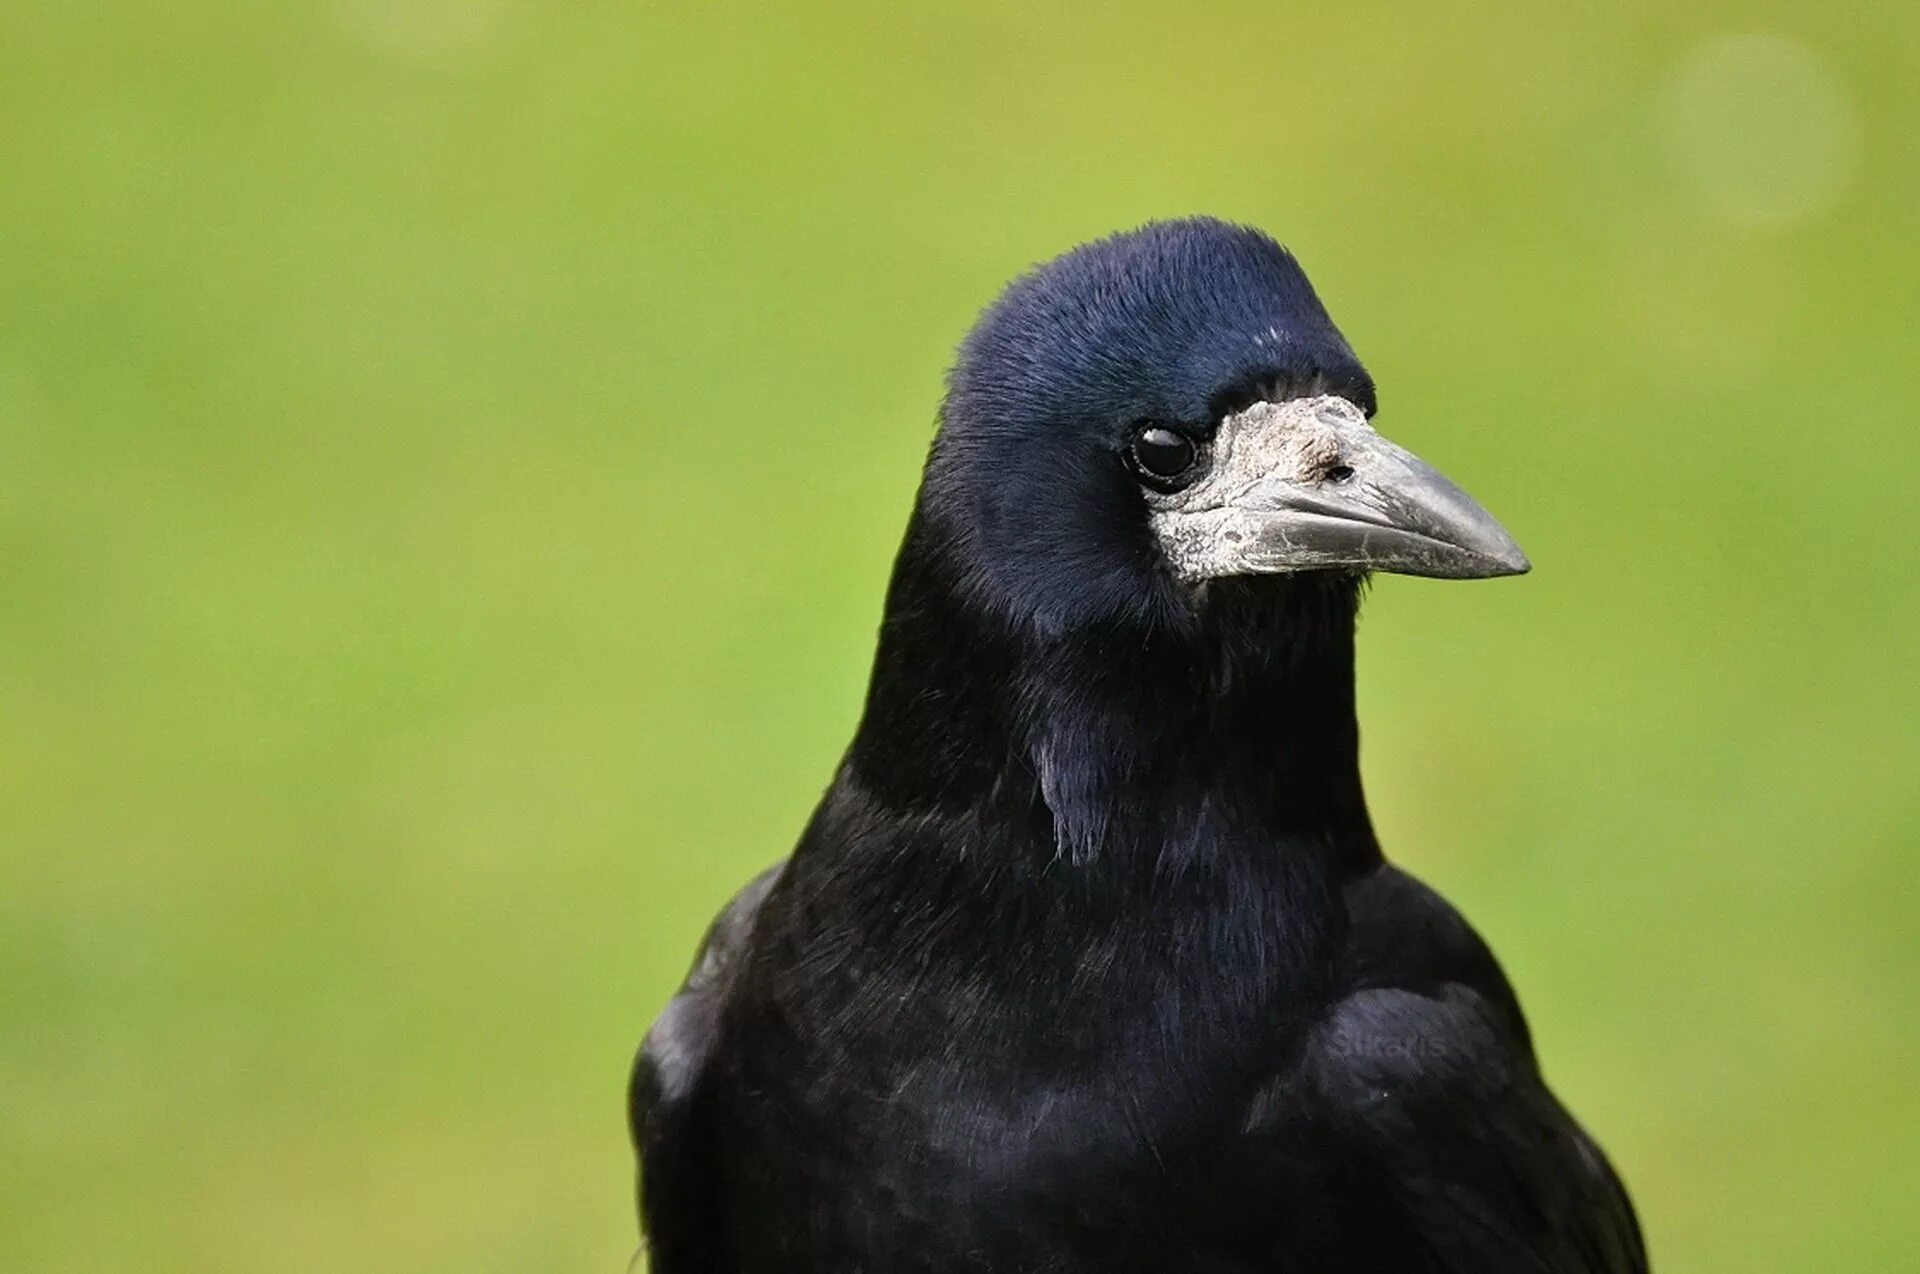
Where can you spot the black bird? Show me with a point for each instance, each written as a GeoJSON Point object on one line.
{"type": "Point", "coordinates": [1088, 959]}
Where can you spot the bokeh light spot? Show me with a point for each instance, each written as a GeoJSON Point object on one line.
{"type": "Point", "coordinates": [426, 29]}
{"type": "Point", "coordinates": [1762, 128]}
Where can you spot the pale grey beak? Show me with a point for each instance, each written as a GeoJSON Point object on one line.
{"type": "Point", "coordinates": [1307, 485]}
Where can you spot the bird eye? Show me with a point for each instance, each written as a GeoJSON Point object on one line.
{"type": "Point", "coordinates": [1161, 455]}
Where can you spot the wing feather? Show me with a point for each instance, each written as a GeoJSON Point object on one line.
{"type": "Point", "coordinates": [677, 1207]}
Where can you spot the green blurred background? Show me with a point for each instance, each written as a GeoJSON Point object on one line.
{"type": "Point", "coordinates": [450, 453]}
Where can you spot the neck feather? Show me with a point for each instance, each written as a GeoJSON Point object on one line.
{"type": "Point", "coordinates": [1147, 748]}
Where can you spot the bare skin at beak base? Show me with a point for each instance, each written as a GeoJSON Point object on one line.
{"type": "Point", "coordinates": [1308, 485]}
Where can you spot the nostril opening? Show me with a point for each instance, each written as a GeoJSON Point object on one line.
{"type": "Point", "coordinates": [1340, 473]}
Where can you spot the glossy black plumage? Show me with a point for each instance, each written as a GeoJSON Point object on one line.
{"type": "Point", "coordinates": [1089, 960]}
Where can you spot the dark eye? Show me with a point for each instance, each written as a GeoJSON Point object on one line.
{"type": "Point", "coordinates": [1161, 455]}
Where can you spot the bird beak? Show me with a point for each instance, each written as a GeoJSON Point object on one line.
{"type": "Point", "coordinates": [1307, 485]}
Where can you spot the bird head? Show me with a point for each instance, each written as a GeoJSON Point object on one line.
{"type": "Point", "coordinates": [1169, 407]}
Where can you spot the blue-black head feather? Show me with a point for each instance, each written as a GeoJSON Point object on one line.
{"type": "Point", "coordinates": [1177, 323]}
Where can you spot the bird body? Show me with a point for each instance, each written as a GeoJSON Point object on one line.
{"type": "Point", "coordinates": [1089, 958]}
